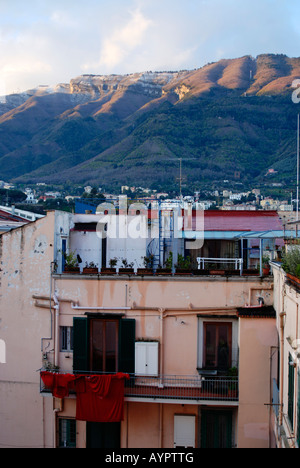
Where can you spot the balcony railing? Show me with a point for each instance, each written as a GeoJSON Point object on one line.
{"type": "Point", "coordinates": [175, 387]}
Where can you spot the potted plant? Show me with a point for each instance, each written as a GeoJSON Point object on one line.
{"type": "Point", "coordinates": [112, 267]}
{"type": "Point", "coordinates": [126, 268]}
{"type": "Point", "coordinates": [148, 266]}
{"type": "Point", "coordinates": [90, 269]}
{"type": "Point", "coordinates": [168, 266]}
{"type": "Point", "coordinates": [183, 266]}
{"type": "Point", "coordinates": [214, 270]}
{"type": "Point", "coordinates": [71, 263]}
{"type": "Point", "coordinates": [291, 265]}
{"type": "Point", "coordinates": [266, 265]}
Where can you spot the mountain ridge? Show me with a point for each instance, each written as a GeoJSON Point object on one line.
{"type": "Point", "coordinates": [126, 128]}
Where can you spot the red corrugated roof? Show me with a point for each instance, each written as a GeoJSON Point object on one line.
{"type": "Point", "coordinates": [242, 221]}
{"type": "Point", "coordinates": [247, 221]}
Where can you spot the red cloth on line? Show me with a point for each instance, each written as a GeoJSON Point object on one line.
{"type": "Point", "coordinates": [59, 384]}
{"type": "Point", "coordinates": [100, 398]}
{"type": "Point", "coordinates": [103, 399]}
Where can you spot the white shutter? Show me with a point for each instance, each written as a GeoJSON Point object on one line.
{"type": "Point", "coordinates": [146, 358]}
{"type": "Point", "coordinates": [184, 431]}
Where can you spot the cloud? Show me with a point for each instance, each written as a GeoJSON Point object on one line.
{"type": "Point", "coordinates": [51, 42]}
{"type": "Point", "coordinates": [122, 42]}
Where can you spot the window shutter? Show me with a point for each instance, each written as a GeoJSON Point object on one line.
{"type": "Point", "coordinates": [81, 348]}
{"type": "Point", "coordinates": [127, 346]}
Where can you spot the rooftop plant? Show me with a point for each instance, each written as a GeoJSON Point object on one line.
{"type": "Point", "coordinates": [291, 261]}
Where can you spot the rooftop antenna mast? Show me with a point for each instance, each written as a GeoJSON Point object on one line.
{"type": "Point", "coordinates": [181, 178]}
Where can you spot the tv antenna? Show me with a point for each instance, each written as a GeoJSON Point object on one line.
{"type": "Point", "coordinates": [181, 178]}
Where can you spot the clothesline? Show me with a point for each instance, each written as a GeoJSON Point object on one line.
{"type": "Point", "coordinates": [100, 398]}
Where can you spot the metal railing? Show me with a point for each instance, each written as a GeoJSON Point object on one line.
{"type": "Point", "coordinates": [213, 263]}
{"type": "Point", "coordinates": [175, 387]}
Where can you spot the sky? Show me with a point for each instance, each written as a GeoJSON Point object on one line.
{"type": "Point", "coordinates": [46, 42]}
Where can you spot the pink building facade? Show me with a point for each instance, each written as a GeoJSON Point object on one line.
{"type": "Point", "coordinates": [195, 348]}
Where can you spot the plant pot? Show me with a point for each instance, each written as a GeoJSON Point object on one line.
{"type": "Point", "coordinates": [200, 272]}
{"type": "Point", "coordinates": [164, 272]}
{"type": "Point", "coordinates": [126, 271]}
{"type": "Point", "coordinates": [71, 270]}
{"type": "Point", "coordinates": [145, 272]}
{"type": "Point", "coordinates": [217, 272]}
{"type": "Point", "coordinates": [90, 271]}
{"type": "Point", "coordinates": [108, 271]}
{"type": "Point", "coordinates": [266, 271]}
{"type": "Point", "coordinates": [183, 272]}
{"type": "Point", "coordinates": [232, 272]}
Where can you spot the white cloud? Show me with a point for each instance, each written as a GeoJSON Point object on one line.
{"type": "Point", "coordinates": [122, 42]}
{"type": "Point", "coordinates": [51, 42]}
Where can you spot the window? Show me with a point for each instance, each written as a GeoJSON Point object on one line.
{"type": "Point", "coordinates": [217, 345]}
{"type": "Point", "coordinates": [216, 428]}
{"type": "Point", "coordinates": [104, 345]}
{"type": "Point", "coordinates": [66, 339]}
{"type": "Point", "coordinates": [184, 431]}
{"type": "Point", "coordinates": [146, 358]}
{"type": "Point", "coordinates": [67, 433]}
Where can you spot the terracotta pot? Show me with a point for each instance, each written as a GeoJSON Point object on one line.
{"type": "Point", "coordinates": [90, 271]}
{"type": "Point", "coordinates": [108, 271]}
{"type": "Point", "coordinates": [72, 271]}
{"type": "Point", "coordinates": [145, 272]}
{"type": "Point", "coordinates": [126, 271]}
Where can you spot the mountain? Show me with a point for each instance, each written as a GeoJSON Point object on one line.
{"type": "Point", "coordinates": [233, 119]}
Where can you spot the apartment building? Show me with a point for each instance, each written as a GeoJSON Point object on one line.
{"type": "Point", "coordinates": [286, 388]}
{"type": "Point", "coordinates": [131, 359]}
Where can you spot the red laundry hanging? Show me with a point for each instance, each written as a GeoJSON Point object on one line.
{"type": "Point", "coordinates": [102, 400]}
{"type": "Point", "coordinates": [59, 384]}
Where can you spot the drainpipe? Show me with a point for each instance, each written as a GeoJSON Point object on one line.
{"type": "Point", "coordinates": [282, 316]}
{"type": "Point", "coordinates": [56, 346]}
{"type": "Point", "coordinates": [55, 412]}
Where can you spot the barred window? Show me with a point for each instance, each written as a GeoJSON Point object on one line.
{"type": "Point", "coordinates": [67, 433]}
{"type": "Point", "coordinates": [66, 339]}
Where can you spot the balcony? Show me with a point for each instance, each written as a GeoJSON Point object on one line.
{"type": "Point", "coordinates": [194, 388]}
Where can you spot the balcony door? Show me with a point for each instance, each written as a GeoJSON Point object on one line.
{"type": "Point", "coordinates": [217, 345]}
{"type": "Point", "coordinates": [216, 428]}
{"type": "Point", "coordinates": [104, 345]}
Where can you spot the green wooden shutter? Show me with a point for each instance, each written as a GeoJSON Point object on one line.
{"type": "Point", "coordinates": [127, 346]}
{"type": "Point", "coordinates": [81, 347]}
{"type": "Point", "coordinates": [291, 390]}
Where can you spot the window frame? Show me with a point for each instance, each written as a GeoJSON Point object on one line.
{"type": "Point", "coordinates": [104, 321]}
{"type": "Point", "coordinates": [69, 339]}
{"type": "Point", "coordinates": [217, 326]}
{"type": "Point", "coordinates": [71, 433]}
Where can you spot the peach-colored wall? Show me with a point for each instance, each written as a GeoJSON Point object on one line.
{"type": "Point", "coordinates": [165, 309]}
{"type": "Point", "coordinates": [287, 302]}
{"type": "Point", "coordinates": [258, 340]}
{"type": "Point", "coordinates": [26, 255]}
{"type": "Point", "coordinates": [151, 425]}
